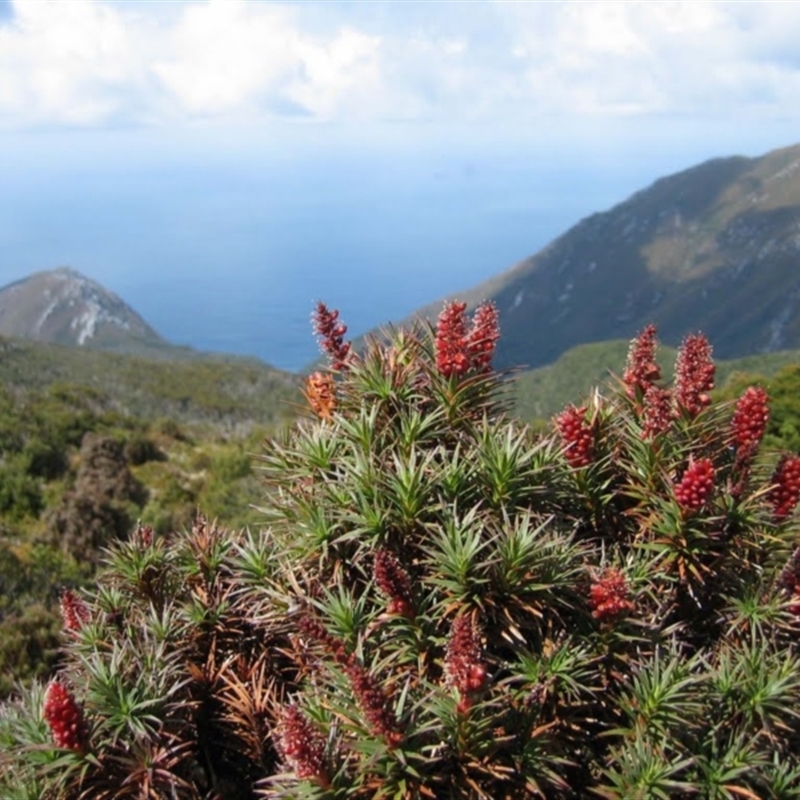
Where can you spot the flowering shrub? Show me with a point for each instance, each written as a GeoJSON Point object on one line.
{"type": "Point", "coordinates": [577, 435]}
{"type": "Point", "coordinates": [442, 604]}
{"type": "Point", "coordinates": [786, 489]}
{"type": "Point", "coordinates": [64, 718]}
{"type": "Point", "coordinates": [750, 419]}
{"type": "Point", "coordinates": [609, 596]}
{"type": "Point", "coordinates": [696, 485]}
{"type": "Point", "coordinates": [458, 349]}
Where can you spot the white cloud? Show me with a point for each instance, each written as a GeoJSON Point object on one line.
{"type": "Point", "coordinates": [91, 62]}
{"type": "Point", "coordinates": [220, 56]}
{"type": "Point", "coordinates": [341, 75]}
{"type": "Point", "coordinates": [64, 62]}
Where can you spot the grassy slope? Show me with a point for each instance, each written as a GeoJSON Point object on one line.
{"type": "Point", "coordinates": [231, 394]}
{"type": "Point", "coordinates": [542, 392]}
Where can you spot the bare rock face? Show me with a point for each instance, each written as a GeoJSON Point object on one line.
{"type": "Point", "coordinates": [66, 307]}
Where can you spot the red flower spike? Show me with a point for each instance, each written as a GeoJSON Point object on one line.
{"type": "Point", "coordinates": [302, 746]}
{"type": "Point", "coordinates": [374, 704]}
{"type": "Point", "coordinates": [482, 338]}
{"type": "Point", "coordinates": [789, 581]}
{"type": "Point", "coordinates": [750, 419]}
{"type": "Point", "coordinates": [657, 412]}
{"type": "Point", "coordinates": [464, 668]}
{"type": "Point", "coordinates": [74, 612]}
{"type": "Point", "coordinates": [641, 369]}
{"type": "Point", "coordinates": [143, 536]}
{"type": "Point", "coordinates": [393, 581]}
{"type": "Point", "coordinates": [335, 648]}
{"type": "Point", "coordinates": [331, 336]}
{"type": "Point", "coordinates": [694, 375]}
{"type": "Point", "coordinates": [64, 717]}
{"type": "Point", "coordinates": [696, 485]}
{"type": "Point", "coordinates": [452, 348]}
{"type": "Point", "coordinates": [609, 597]}
{"type": "Point", "coordinates": [577, 435]}
{"type": "Point", "coordinates": [786, 491]}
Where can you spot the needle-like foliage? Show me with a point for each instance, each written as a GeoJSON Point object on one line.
{"type": "Point", "coordinates": [443, 604]}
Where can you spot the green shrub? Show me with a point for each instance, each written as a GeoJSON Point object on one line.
{"type": "Point", "coordinates": [444, 605]}
{"type": "Point", "coordinates": [20, 492]}
{"type": "Point", "coordinates": [140, 449]}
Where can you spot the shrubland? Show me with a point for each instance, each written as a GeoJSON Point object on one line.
{"type": "Point", "coordinates": [76, 474]}
{"type": "Point", "coordinates": [438, 602]}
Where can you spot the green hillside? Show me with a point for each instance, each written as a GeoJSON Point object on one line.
{"type": "Point", "coordinates": [230, 394]}
{"type": "Point", "coordinates": [540, 393]}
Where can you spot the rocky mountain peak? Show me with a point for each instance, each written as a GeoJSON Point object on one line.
{"type": "Point", "coordinates": [66, 307]}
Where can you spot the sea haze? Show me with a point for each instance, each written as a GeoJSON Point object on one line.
{"type": "Point", "coordinates": [224, 243]}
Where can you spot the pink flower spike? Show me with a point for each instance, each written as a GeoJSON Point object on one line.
{"type": "Point", "coordinates": [694, 375]}
{"type": "Point", "coordinates": [302, 746]}
{"type": "Point", "coordinates": [482, 337]}
{"type": "Point", "coordinates": [393, 581]}
{"type": "Point", "coordinates": [609, 597]}
{"type": "Point", "coordinates": [577, 435]}
{"type": "Point", "coordinates": [374, 703]}
{"type": "Point", "coordinates": [695, 487]}
{"type": "Point", "coordinates": [657, 413]}
{"type": "Point", "coordinates": [750, 419]}
{"type": "Point", "coordinates": [331, 336]}
{"type": "Point", "coordinates": [74, 612]}
{"type": "Point", "coordinates": [786, 492]}
{"type": "Point", "coordinates": [641, 369]}
{"type": "Point", "coordinates": [465, 670]}
{"type": "Point", "coordinates": [64, 717]}
{"type": "Point", "coordinates": [452, 350]}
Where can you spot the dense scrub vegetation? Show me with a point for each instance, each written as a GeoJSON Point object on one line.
{"type": "Point", "coordinates": [232, 395]}
{"type": "Point", "coordinates": [442, 604]}
{"type": "Point", "coordinates": [76, 475]}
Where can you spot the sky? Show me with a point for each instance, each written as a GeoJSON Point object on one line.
{"type": "Point", "coordinates": [87, 63]}
{"type": "Point", "coordinates": [122, 122]}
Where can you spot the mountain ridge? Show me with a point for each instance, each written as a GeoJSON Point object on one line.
{"type": "Point", "coordinates": [711, 247]}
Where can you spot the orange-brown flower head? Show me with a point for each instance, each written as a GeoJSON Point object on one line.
{"type": "Point", "coordinates": [482, 337]}
{"type": "Point", "coordinates": [786, 490]}
{"type": "Point", "coordinates": [302, 746]}
{"type": "Point", "coordinates": [694, 375]}
{"type": "Point", "coordinates": [320, 391]}
{"type": "Point", "coordinates": [452, 348]}
{"type": "Point", "coordinates": [64, 717]}
{"type": "Point", "coordinates": [750, 419]}
{"type": "Point", "coordinates": [331, 336]}
{"type": "Point", "coordinates": [609, 596]}
{"type": "Point", "coordinates": [74, 611]}
{"type": "Point", "coordinates": [465, 670]}
{"type": "Point", "coordinates": [577, 435]}
{"type": "Point", "coordinates": [695, 487]}
{"type": "Point", "coordinates": [641, 369]}
{"type": "Point", "coordinates": [393, 581]}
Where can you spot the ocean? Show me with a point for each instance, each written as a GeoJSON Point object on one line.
{"type": "Point", "coordinates": [226, 245]}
